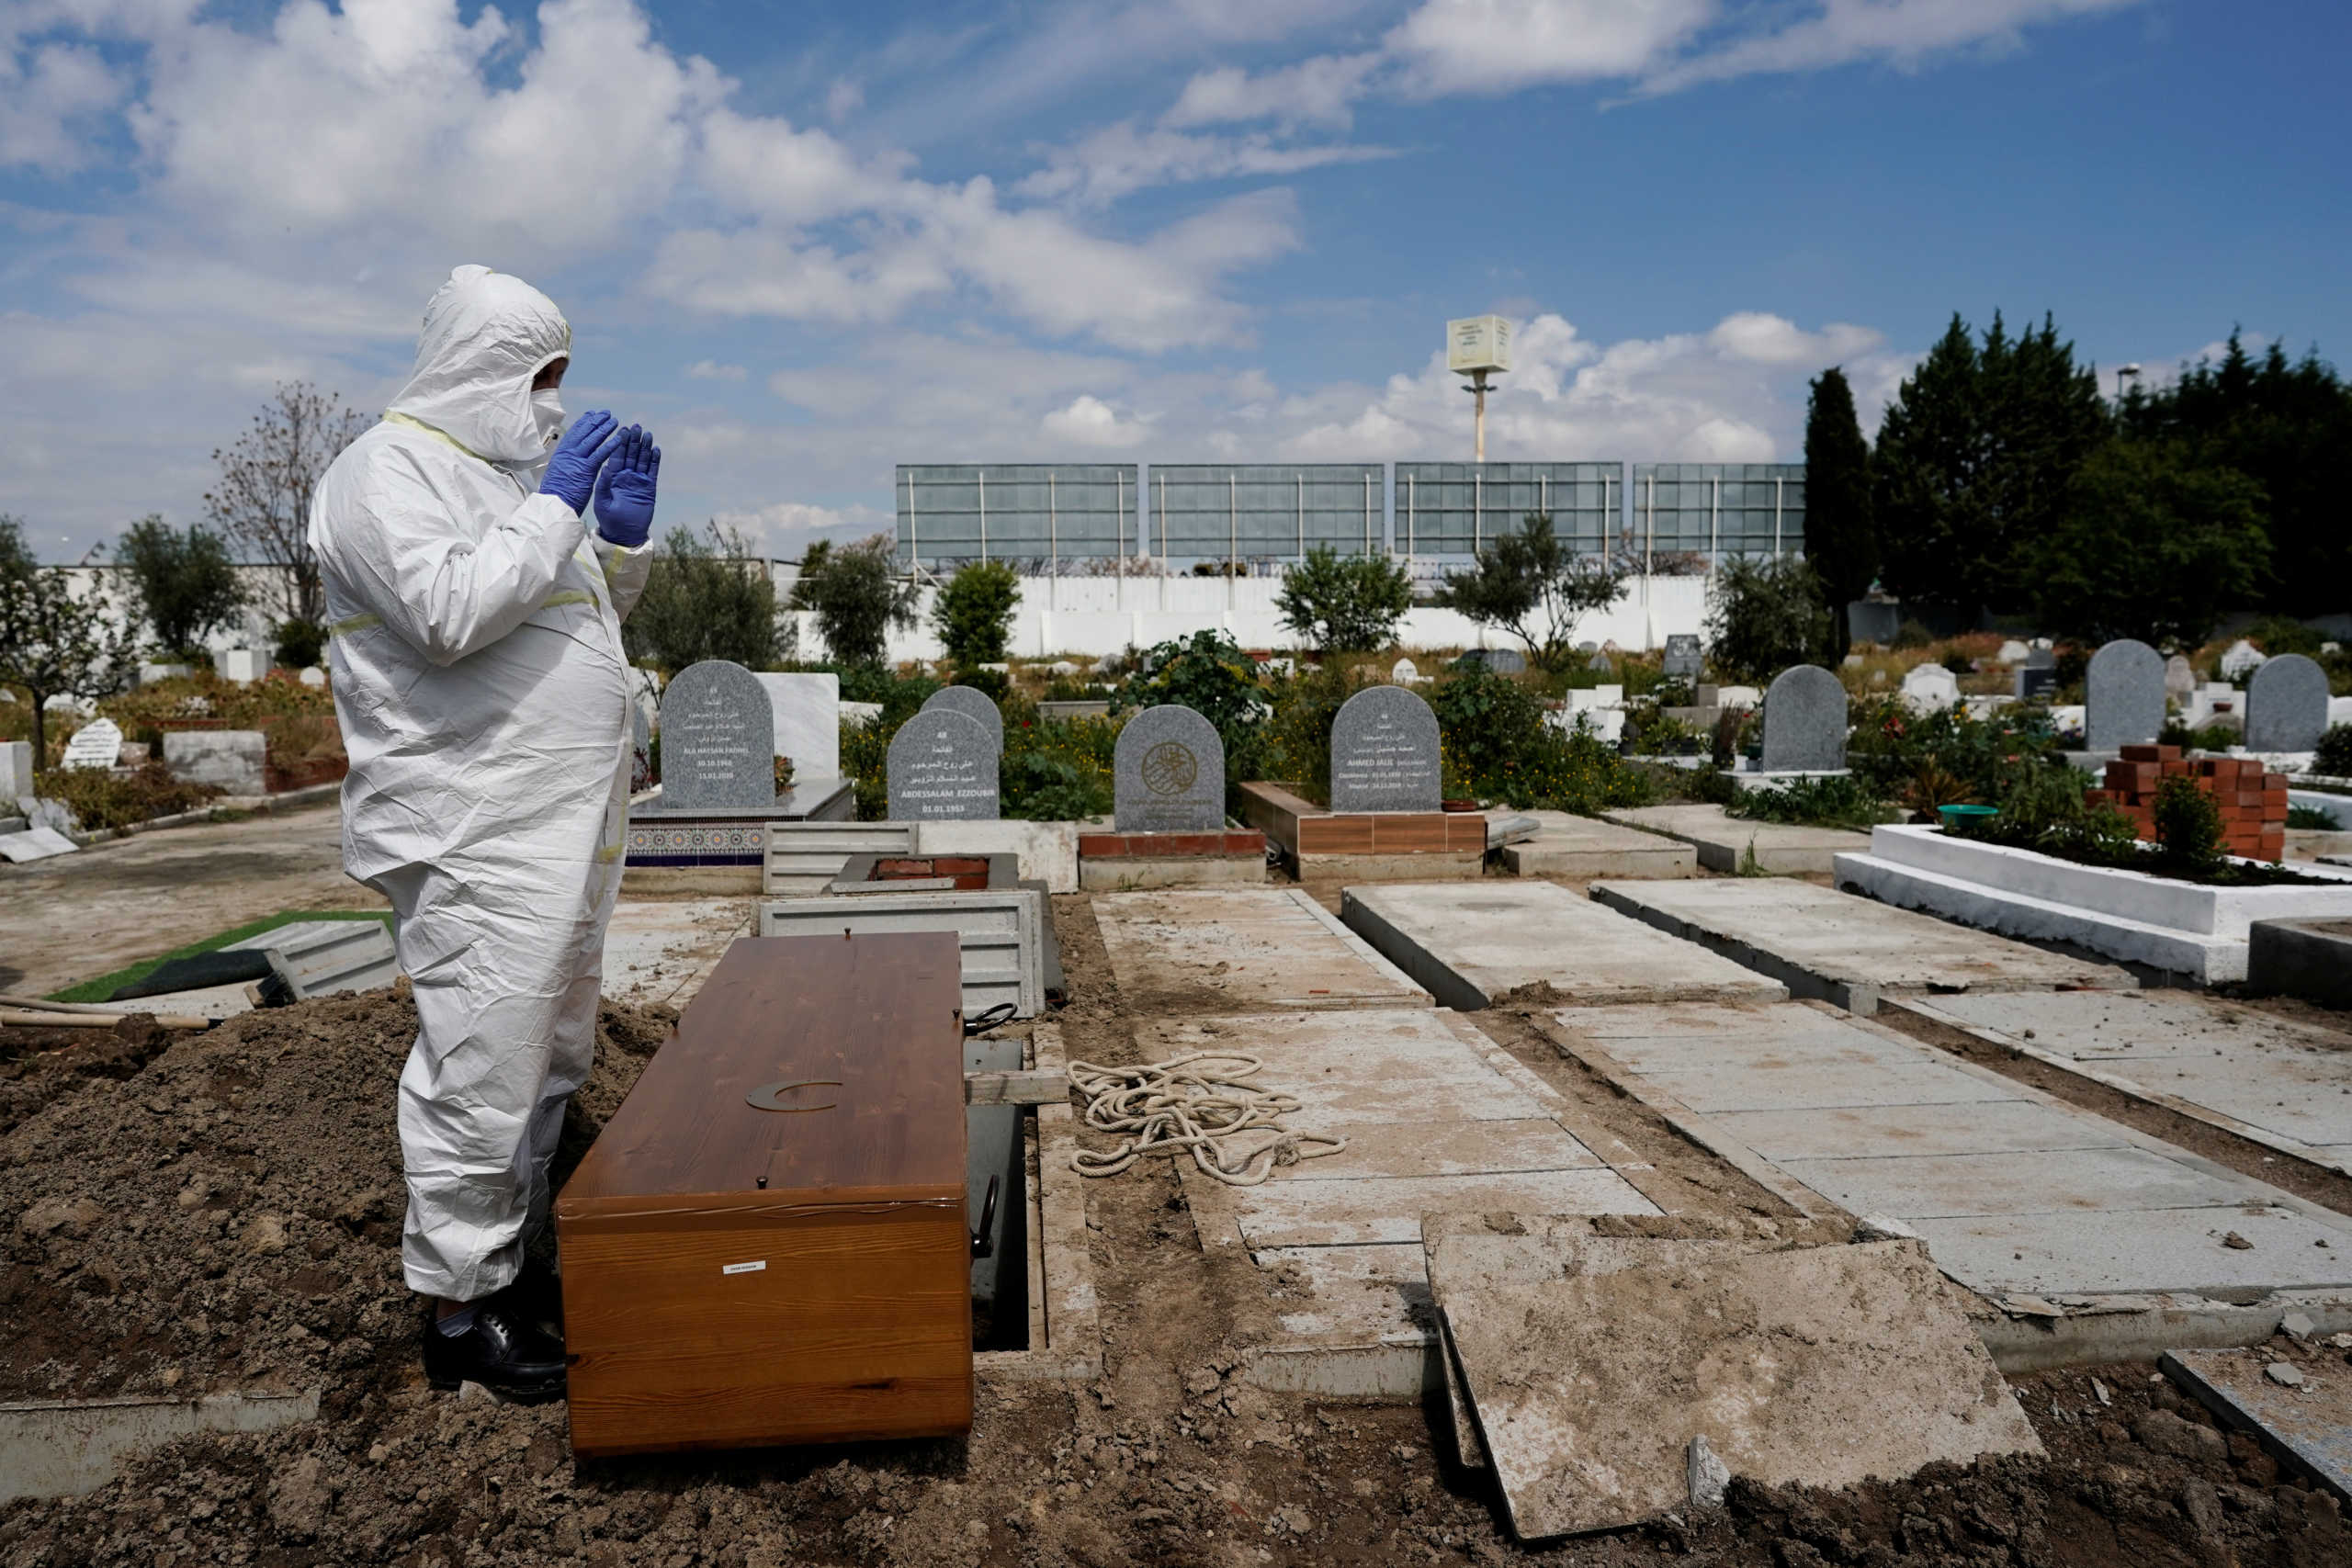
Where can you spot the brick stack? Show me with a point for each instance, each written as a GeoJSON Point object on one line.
{"type": "Point", "coordinates": [2253, 803]}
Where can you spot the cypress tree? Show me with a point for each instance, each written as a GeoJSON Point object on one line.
{"type": "Point", "coordinates": [1841, 530]}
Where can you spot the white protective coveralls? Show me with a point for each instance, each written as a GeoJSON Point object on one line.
{"type": "Point", "coordinates": [483, 696]}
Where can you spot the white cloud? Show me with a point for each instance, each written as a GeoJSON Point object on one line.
{"type": "Point", "coordinates": [1497, 46]}
{"type": "Point", "coordinates": [712, 370]}
{"type": "Point", "coordinates": [46, 104]}
{"type": "Point", "coordinates": [1120, 159]}
{"type": "Point", "coordinates": [843, 99]}
{"type": "Point", "coordinates": [1090, 422]}
{"type": "Point", "coordinates": [1765, 339]}
{"type": "Point", "coordinates": [1905, 32]}
{"type": "Point", "coordinates": [787, 526]}
{"type": "Point", "coordinates": [1321, 91]}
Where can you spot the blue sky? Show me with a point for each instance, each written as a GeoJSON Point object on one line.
{"type": "Point", "coordinates": [805, 243]}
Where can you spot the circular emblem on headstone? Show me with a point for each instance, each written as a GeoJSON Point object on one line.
{"type": "Point", "coordinates": [1170, 767]}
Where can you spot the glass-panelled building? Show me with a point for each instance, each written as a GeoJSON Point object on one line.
{"type": "Point", "coordinates": [952, 513]}
{"type": "Point", "coordinates": [1262, 511]}
{"type": "Point", "coordinates": [1455, 509]}
{"type": "Point", "coordinates": [1717, 509]}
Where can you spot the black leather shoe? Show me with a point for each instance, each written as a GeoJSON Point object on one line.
{"type": "Point", "coordinates": [500, 1351]}
{"type": "Point", "coordinates": [536, 1297]}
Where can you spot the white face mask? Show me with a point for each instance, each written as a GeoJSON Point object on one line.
{"type": "Point", "coordinates": [547, 414]}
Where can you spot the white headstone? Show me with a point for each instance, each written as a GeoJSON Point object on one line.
{"type": "Point", "coordinates": [1930, 688]}
{"type": "Point", "coordinates": [313, 676]}
{"type": "Point", "coordinates": [242, 665]}
{"type": "Point", "coordinates": [2013, 652]}
{"type": "Point", "coordinates": [16, 771]}
{"type": "Point", "coordinates": [1404, 672]}
{"type": "Point", "coordinates": [2240, 659]}
{"type": "Point", "coordinates": [96, 745]}
{"type": "Point", "coordinates": [808, 722]}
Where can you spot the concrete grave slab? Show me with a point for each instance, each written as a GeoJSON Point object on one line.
{"type": "Point", "coordinates": [1723, 842]}
{"type": "Point", "coordinates": [661, 951]}
{"type": "Point", "coordinates": [34, 843]}
{"type": "Point", "coordinates": [2014, 1191]}
{"type": "Point", "coordinates": [2311, 959]}
{"type": "Point", "coordinates": [1849, 950]}
{"type": "Point", "coordinates": [1575, 846]}
{"type": "Point", "coordinates": [1819, 1366]}
{"type": "Point", "coordinates": [68, 1447]}
{"type": "Point", "coordinates": [2275, 1081]}
{"type": "Point", "coordinates": [1474, 943]}
{"type": "Point", "coordinates": [2306, 1424]}
{"type": "Point", "coordinates": [1436, 1118]}
{"type": "Point", "coordinates": [1242, 950]}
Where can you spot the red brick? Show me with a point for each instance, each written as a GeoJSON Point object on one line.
{"type": "Point", "coordinates": [2274, 781]}
{"type": "Point", "coordinates": [2151, 753]}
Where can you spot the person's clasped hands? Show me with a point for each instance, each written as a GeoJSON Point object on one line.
{"type": "Point", "coordinates": [617, 464]}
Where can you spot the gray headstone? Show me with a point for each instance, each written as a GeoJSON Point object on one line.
{"type": "Point", "coordinates": [975, 704]}
{"type": "Point", "coordinates": [1384, 753]}
{"type": "Point", "coordinates": [235, 759]}
{"type": "Point", "coordinates": [1682, 660]}
{"type": "Point", "coordinates": [2123, 696]}
{"type": "Point", "coordinates": [942, 768]}
{"type": "Point", "coordinates": [1804, 721]}
{"type": "Point", "coordinates": [16, 769]}
{"type": "Point", "coordinates": [2240, 658]}
{"type": "Point", "coordinates": [2180, 677]}
{"type": "Point", "coordinates": [2038, 676]}
{"type": "Point", "coordinates": [717, 739]}
{"type": "Point", "coordinates": [2286, 705]}
{"type": "Point", "coordinates": [1501, 660]}
{"type": "Point", "coordinates": [1168, 773]}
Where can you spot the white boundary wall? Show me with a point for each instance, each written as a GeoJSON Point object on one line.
{"type": "Point", "coordinates": [1099, 616]}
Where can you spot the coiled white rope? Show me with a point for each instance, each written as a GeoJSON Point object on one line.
{"type": "Point", "coordinates": [1199, 1103]}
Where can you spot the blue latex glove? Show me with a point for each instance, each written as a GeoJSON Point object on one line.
{"type": "Point", "coordinates": [624, 489]}
{"type": "Point", "coordinates": [571, 467]}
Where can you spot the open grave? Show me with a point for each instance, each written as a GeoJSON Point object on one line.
{"type": "Point", "coordinates": [1478, 943]}
{"type": "Point", "coordinates": [2275, 1081]}
{"type": "Point", "coordinates": [1820, 943]}
{"type": "Point", "coordinates": [1435, 1116]}
{"type": "Point", "coordinates": [2020, 1197]}
{"type": "Point", "coordinates": [1242, 950]}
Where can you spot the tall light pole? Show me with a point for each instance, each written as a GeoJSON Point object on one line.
{"type": "Point", "coordinates": [1478, 346]}
{"type": "Point", "coordinates": [2121, 372]}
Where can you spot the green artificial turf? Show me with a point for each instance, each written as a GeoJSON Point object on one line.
{"type": "Point", "coordinates": [106, 986]}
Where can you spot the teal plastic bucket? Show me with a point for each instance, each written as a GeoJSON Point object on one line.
{"type": "Point", "coordinates": [1956, 818]}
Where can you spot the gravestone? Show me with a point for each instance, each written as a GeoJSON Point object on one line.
{"type": "Point", "coordinates": [1499, 660]}
{"type": "Point", "coordinates": [807, 714]}
{"type": "Point", "coordinates": [2038, 676]}
{"type": "Point", "coordinates": [1168, 773]}
{"type": "Point", "coordinates": [1804, 721]}
{"type": "Point", "coordinates": [242, 665]}
{"type": "Point", "coordinates": [2180, 679]}
{"type": "Point", "coordinates": [2242, 658]}
{"type": "Point", "coordinates": [1404, 672]}
{"type": "Point", "coordinates": [1930, 688]}
{"type": "Point", "coordinates": [2013, 652]}
{"type": "Point", "coordinates": [2286, 705]}
{"type": "Point", "coordinates": [942, 768]}
{"type": "Point", "coordinates": [1384, 753]}
{"type": "Point", "coordinates": [236, 761]}
{"type": "Point", "coordinates": [2123, 696]}
{"type": "Point", "coordinates": [717, 739]}
{"type": "Point", "coordinates": [974, 704]}
{"type": "Point", "coordinates": [16, 771]}
{"type": "Point", "coordinates": [1682, 660]}
{"type": "Point", "coordinates": [96, 745]}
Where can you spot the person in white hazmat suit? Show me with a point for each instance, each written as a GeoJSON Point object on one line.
{"type": "Point", "coordinates": [484, 701]}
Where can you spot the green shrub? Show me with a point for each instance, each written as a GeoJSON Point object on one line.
{"type": "Point", "coordinates": [2334, 758]}
{"type": "Point", "coordinates": [300, 644]}
{"type": "Point", "coordinates": [2188, 824]}
{"type": "Point", "coordinates": [2276, 635]}
{"type": "Point", "coordinates": [2309, 817]}
{"type": "Point", "coordinates": [1496, 745]}
{"type": "Point", "coordinates": [100, 799]}
{"type": "Point", "coordinates": [1208, 673]}
{"type": "Point", "coordinates": [1344, 603]}
{"type": "Point", "coordinates": [973, 614]}
{"type": "Point", "coordinates": [1830, 802]}
{"type": "Point", "coordinates": [1764, 614]}
{"type": "Point", "coordinates": [1913, 633]}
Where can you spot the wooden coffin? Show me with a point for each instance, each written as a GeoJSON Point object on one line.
{"type": "Point", "coordinates": [735, 1275]}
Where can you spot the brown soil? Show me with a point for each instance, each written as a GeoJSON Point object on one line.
{"type": "Point", "coordinates": [229, 1217]}
{"type": "Point", "coordinates": [2304, 1180]}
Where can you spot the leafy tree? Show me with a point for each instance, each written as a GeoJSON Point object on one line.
{"type": "Point", "coordinates": [2285, 425]}
{"type": "Point", "coordinates": [1973, 462]}
{"type": "Point", "coordinates": [1208, 673]}
{"type": "Point", "coordinates": [1766, 614]}
{"type": "Point", "coordinates": [1345, 603]}
{"type": "Point", "coordinates": [2151, 546]}
{"type": "Point", "coordinates": [857, 595]}
{"type": "Point", "coordinates": [707, 596]}
{"type": "Point", "coordinates": [1531, 584]}
{"type": "Point", "coordinates": [262, 498]}
{"type": "Point", "coordinates": [973, 614]}
{"type": "Point", "coordinates": [53, 642]}
{"type": "Point", "coordinates": [1840, 526]}
{"type": "Point", "coordinates": [185, 583]}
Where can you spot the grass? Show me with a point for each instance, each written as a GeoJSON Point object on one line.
{"type": "Point", "coordinates": [104, 985]}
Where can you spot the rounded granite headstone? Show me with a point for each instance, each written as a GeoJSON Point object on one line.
{"type": "Point", "coordinates": [717, 739]}
{"type": "Point", "coordinates": [2286, 705]}
{"type": "Point", "coordinates": [942, 768]}
{"type": "Point", "coordinates": [2123, 696]}
{"type": "Point", "coordinates": [974, 704]}
{"type": "Point", "coordinates": [1682, 658]}
{"type": "Point", "coordinates": [1804, 722]}
{"type": "Point", "coordinates": [1384, 753]}
{"type": "Point", "coordinates": [1168, 773]}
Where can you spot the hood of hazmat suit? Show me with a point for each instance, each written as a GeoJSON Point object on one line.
{"type": "Point", "coordinates": [484, 700]}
